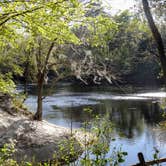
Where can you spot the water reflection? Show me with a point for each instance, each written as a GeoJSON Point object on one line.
{"type": "Point", "coordinates": [134, 114]}
{"type": "Point", "coordinates": [128, 117]}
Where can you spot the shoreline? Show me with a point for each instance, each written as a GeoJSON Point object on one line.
{"type": "Point", "coordinates": [39, 140]}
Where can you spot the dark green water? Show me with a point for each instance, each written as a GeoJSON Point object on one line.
{"type": "Point", "coordinates": [136, 114]}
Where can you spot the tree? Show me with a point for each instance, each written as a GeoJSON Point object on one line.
{"type": "Point", "coordinates": [156, 35]}
{"type": "Point", "coordinates": [39, 22]}
{"type": "Point", "coordinates": [131, 50]}
{"type": "Point", "coordinates": [56, 30]}
{"type": "Point", "coordinates": [89, 63]}
{"type": "Point", "coordinates": [89, 59]}
{"type": "Point", "coordinates": [49, 28]}
{"type": "Point", "coordinates": [10, 25]}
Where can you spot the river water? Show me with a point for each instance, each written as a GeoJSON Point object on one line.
{"type": "Point", "coordinates": [134, 111]}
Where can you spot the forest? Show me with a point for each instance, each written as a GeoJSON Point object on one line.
{"type": "Point", "coordinates": [82, 82]}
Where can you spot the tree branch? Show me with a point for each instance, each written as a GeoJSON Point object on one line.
{"type": "Point", "coordinates": [21, 13]}
{"type": "Point", "coordinates": [25, 12]}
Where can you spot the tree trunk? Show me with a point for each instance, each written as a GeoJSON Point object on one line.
{"type": "Point", "coordinates": [26, 74]}
{"type": "Point", "coordinates": [42, 72]}
{"type": "Point", "coordinates": [156, 35]}
{"type": "Point", "coordinates": [38, 114]}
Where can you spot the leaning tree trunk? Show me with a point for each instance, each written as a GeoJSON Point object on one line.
{"type": "Point", "coordinates": [156, 35]}
{"type": "Point", "coordinates": [38, 114]}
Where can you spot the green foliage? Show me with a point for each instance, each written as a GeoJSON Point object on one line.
{"type": "Point", "coordinates": [27, 27]}
{"type": "Point", "coordinates": [156, 154]}
{"type": "Point", "coordinates": [162, 105]}
{"type": "Point", "coordinates": [98, 153]}
{"type": "Point", "coordinates": [28, 20]}
{"type": "Point", "coordinates": [68, 151]}
{"type": "Point", "coordinates": [9, 63]}
{"type": "Point", "coordinates": [102, 29]}
{"type": "Point", "coordinates": [6, 85]}
{"type": "Point", "coordinates": [5, 155]}
{"type": "Point", "coordinates": [131, 49]}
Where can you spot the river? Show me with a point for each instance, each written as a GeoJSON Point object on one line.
{"type": "Point", "coordinates": [135, 112]}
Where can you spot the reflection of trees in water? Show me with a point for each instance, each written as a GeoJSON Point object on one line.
{"type": "Point", "coordinates": [81, 88]}
{"type": "Point", "coordinates": [162, 130]}
{"type": "Point", "coordinates": [129, 117]}
{"type": "Point", "coordinates": [79, 115]}
{"type": "Point", "coordinates": [152, 113]}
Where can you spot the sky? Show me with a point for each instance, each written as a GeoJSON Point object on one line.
{"type": "Point", "coordinates": [119, 4]}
